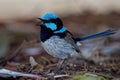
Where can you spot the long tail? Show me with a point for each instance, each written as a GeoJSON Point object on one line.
{"type": "Point", "coordinates": [98, 35]}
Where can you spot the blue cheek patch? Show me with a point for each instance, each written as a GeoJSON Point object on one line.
{"type": "Point", "coordinates": [49, 16]}
{"type": "Point", "coordinates": [52, 26]}
{"type": "Point", "coordinates": [61, 30]}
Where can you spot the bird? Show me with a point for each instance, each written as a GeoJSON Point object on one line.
{"type": "Point", "coordinates": [58, 41]}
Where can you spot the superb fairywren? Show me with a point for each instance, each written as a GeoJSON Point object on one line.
{"type": "Point", "coordinates": [58, 41]}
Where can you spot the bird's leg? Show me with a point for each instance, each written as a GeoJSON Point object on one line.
{"type": "Point", "coordinates": [62, 65]}
{"type": "Point", "coordinates": [60, 68]}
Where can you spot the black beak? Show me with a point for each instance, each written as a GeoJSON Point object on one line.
{"type": "Point", "coordinates": [42, 20]}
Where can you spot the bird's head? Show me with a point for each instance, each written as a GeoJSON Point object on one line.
{"type": "Point", "coordinates": [53, 22]}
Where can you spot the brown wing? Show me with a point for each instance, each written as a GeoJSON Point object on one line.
{"type": "Point", "coordinates": [69, 38]}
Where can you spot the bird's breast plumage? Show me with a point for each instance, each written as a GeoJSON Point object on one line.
{"type": "Point", "coordinates": [58, 47]}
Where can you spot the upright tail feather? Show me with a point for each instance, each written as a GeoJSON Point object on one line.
{"type": "Point", "coordinates": [98, 35]}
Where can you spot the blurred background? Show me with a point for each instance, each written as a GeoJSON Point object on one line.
{"type": "Point", "coordinates": [18, 24]}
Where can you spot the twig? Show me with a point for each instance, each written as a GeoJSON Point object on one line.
{"type": "Point", "coordinates": [16, 74]}
{"type": "Point", "coordinates": [62, 75]}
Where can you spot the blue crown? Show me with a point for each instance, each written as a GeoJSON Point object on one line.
{"type": "Point", "coordinates": [49, 16]}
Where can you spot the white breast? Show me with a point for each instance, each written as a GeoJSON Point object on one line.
{"type": "Point", "coordinates": [58, 47]}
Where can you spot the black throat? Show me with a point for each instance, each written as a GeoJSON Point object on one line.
{"type": "Point", "coordinates": [45, 33]}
